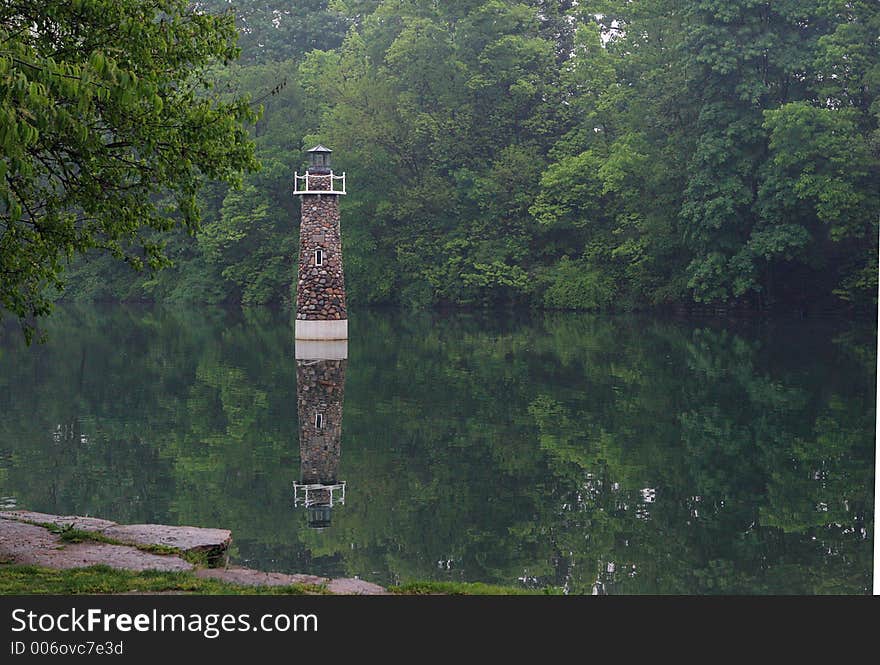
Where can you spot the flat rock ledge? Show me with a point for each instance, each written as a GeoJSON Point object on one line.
{"type": "Point", "coordinates": [25, 540]}
{"type": "Point", "coordinates": [249, 577]}
{"type": "Point", "coordinates": [186, 539]}
{"type": "Point", "coordinates": [29, 544]}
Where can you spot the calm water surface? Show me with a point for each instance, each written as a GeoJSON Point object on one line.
{"type": "Point", "coordinates": [597, 454]}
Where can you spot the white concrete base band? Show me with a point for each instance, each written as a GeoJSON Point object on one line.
{"type": "Point", "coordinates": [335, 329]}
{"type": "Point", "coordinates": [314, 349]}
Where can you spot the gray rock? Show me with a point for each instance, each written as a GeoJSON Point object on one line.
{"type": "Point", "coordinates": [183, 538]}
{"type": "Point", "coordinates": [250, 577]}
{"type": "Point", "coordinates": [74, 521]}
{"type": "Point", "coordinates": [353, 587]}
{"type": "Point", "coordinates": [24, 543]}
{"type": "Point", "coordinates": [28, 544]}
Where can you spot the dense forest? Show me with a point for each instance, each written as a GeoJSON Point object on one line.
{"type": "Point", "coordinates": [605, 154]}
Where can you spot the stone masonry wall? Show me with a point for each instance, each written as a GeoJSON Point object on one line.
{"type": "Point", "coordinates": [320, 293]}
{"type": "Point", "coordinates": [320, 388]}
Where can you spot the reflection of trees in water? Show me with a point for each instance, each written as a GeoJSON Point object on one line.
{"type": "Point", "coordinates": [599, 454]}
{"type": "Point", "coordinates": [731, 500]}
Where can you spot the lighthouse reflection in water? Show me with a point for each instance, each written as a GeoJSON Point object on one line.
{"type": "Point", "coordinates": [320, 389]}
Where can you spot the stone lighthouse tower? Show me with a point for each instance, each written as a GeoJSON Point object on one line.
{"type": "Point", "coordinates": [320, 291]}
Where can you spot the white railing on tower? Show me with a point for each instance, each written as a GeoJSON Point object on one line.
{"type": "Point", "coordinates": [306, 188]}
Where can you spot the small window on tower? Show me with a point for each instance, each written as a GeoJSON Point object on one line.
{"type": "Point", "coordinates": [319, 257]}
{"type": "Point", "coordinates": [319, 421]}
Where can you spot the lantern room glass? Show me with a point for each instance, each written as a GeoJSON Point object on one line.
{"type": "Point", "coordinates": [319, 161]}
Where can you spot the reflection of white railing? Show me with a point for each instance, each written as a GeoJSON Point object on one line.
{"type": "Point", "coordinates": [302, 183]}
{"type": "Point", "coordinates": [301, 494]}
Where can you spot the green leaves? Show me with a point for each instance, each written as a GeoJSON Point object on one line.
{"type": "Point", "coordinates": [96, 129]}
{"type": "Point", "coordinates": [818, 157]}
{"type": "Point", "coordinates": [582, 287]}
{"type": "Point", "coordinates": [730, 148]}
{"type": "Point", "coordinates": [442, 116]}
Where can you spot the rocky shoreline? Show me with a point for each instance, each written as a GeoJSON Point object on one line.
{"type": "Point", "coordinates": [33, 538]}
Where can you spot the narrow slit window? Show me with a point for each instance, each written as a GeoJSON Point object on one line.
{"type": "Point", "coordinates": [319, 421]}
{"type": "Point", "coordinates": [319, 257]}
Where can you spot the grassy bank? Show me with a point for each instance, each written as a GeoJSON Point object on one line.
{"type": "Point", "coordinates": [16, 579]}
{"type": "Point", "coordinates": [36, 580]}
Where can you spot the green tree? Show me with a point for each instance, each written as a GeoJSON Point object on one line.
{"type": "Point", "coordinates": [608, 201]}
{"type": "Point", "coordinates": [724, 151]}
{"type": "Point", "coordinates": [442, 114]}
{"type": "Point", "coordinates": [108, 128]}
{"type": "Point", "coordinates": [766, 188]}
{"type": "Point", "coordinates": [274, 32]}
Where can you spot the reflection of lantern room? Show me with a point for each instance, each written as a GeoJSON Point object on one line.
{"type": "Point", "coordinates": [319, 515]}
{"type": "Point", "coordinates": [319, 501]}
{"type": "Point", "coordinates": [320, 387]}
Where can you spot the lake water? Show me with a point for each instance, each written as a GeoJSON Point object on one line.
{"type": "Point", "coordinates": [599, 454]}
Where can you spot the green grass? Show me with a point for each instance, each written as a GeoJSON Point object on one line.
{"type": "Point", "coordinates": [36, 580]}
{"type": "Point", "coordinates": [157, 549]}
{"type": "Point", "coordinates": [68, 534]}
{"type": "Point", "coordinates": [27, 580]}
{"type": "Point", "coordinates": [468, 589]}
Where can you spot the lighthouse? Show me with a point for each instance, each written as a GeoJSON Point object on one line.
{"type": "Point", "coordinates": [320, 291]}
